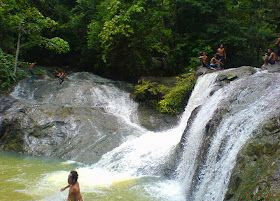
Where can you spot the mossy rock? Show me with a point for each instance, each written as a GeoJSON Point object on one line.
{"type": "Point", "coordinates": [148, 91]}
{"type": "Point", "coordinates": [11, 138]}
{"type": "Point", "coordinates": [166, 99]}
{"type": "Point", "coordinates": [176, 98]}
{"type": "Point", "coordinates": [256, 175]}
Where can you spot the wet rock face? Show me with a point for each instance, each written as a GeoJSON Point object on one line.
{"type": "Point", "coordinates": [244, 92]}
{"type": "Point", "coordinates": [155, 121]}
{"type": "Point", "coordinates": [80, 120]}
{"type": "Point", "coordinates": [82, 134]}
{"type": "Point", "coordinates": [230, 73]}
{"type": "Point", "coordinates": [224, 78]}
{"type": "Point", "coordinates": [6, 103]}
{"type": "Point", "coordinates": [257, 173]}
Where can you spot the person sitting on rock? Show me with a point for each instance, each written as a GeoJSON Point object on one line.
{"type": "Point", "coordinates": [215, 62]}
{"type": "Point", "coordinates": [74, 187]}
{"type": "Point", "coordinates": [204, 59]}
{"type": "Point", "coordinates": [61, 76]}
{"type": "Point", "coordinates": [270, 57]}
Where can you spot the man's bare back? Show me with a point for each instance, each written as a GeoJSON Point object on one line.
{"type": "Point", "coordinates": [74, 193]}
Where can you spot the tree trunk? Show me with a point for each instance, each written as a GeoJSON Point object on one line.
{"type": "Point", "coordinates": [17, 51]}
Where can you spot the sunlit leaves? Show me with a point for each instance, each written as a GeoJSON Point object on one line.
{"type": "Point", "coordinates": [57, 45]}
{"type": "Point", "coordinates": [21, 17]}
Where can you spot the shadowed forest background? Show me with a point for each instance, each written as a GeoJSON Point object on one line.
{"type": "Point", "coordinates": [126, 39]}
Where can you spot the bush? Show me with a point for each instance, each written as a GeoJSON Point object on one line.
{"type": "Point", "coordinates": [174, 101]}
{"type": "Point", "coordinates": [7, 76]}
{"type": "Point", "coordinates": [165, 99]}
{"type": "Point", "coordinates": [57, 45]}
{"type": "Point", "coordinates": [149, 92]}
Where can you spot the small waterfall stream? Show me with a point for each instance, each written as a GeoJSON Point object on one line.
{"type": "Point", "coordinates": [82, 90]}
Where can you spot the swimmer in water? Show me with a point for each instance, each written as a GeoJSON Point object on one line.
{"type": "Point", "coordinates": [74, 187]}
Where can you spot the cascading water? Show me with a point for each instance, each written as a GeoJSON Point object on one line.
{"type": "Point", "coordinates": [138, 157]}
{"type": "Point", "coordinates": [203, 171]}
{"type": "Point", "coordinates": [249, 102]}
{"type": "Point", "coordinates": [146, 155]}
{"type": "Point", "coordinates": [82, 90]}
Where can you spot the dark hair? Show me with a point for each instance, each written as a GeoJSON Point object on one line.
{"type": "Point", "coordinates": [271, 49]}
{"type": "Point", "coordinates": [74, 176]}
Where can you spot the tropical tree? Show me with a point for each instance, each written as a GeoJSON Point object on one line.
{"type": "Point", "coordinates": [20, 19]}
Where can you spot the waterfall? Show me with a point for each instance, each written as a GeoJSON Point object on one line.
{"type": "Point", "coordinates": [250, 101]}
{"type": "Point", "coordinates": [80, 90]}
{"type": "Point", "coordinates": [147, 153]}
{"type": "Point", "coordinates": [188, 163]}
{"type": "Point", "coordinates": [217, 122]}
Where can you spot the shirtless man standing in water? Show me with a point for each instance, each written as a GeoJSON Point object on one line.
{"type": "Point", "coordinates": [74, 188]}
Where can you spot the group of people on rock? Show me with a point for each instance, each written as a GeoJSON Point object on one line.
{"type": "Point", "coordinates": [61, 75]}
{"type": "Point", "coordinates": [219, 58]}
{"type": "Point", "coordinates": [272, 57]}
{"type": "Point", "coordinates": [217, 61]}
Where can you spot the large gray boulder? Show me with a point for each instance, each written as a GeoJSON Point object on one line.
{"type": "Point", "coordinates": [80, 120]}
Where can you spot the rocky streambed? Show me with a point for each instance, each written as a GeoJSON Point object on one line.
{"type": "Point", "coordinates": [229, 132]}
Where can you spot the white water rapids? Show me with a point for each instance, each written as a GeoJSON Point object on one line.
{"type": "Point", "coordinates": [145, 156]}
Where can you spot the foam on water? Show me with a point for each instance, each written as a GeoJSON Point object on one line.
{"type": "Point", "coordinates": [166, 190]}
{"type": "Point", "coordinates": [139, 157]}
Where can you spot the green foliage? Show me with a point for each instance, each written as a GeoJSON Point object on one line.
{"type": "Point", "coordinates": [149, 92]}
{"type": "Point", "coordinates": [193, 64]}
{"type": "Point", "coordinates": [129, 39]}
{"type": "Point", "coordinates": [169, 100]}
{"type": "Point", "coordinates": [175, 100]}
{"type": "Point", "coordinates": [7, 76]}
{"type": "Point", "coordinates": [20, 17]}
{"type": "Point", "coordinates": [120, 32]}
{"type": "Point", "coordinates": [57, 45]}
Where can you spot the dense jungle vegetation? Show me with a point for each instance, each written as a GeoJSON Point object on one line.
{"type": "Point", "coordinates": [127, 39]}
